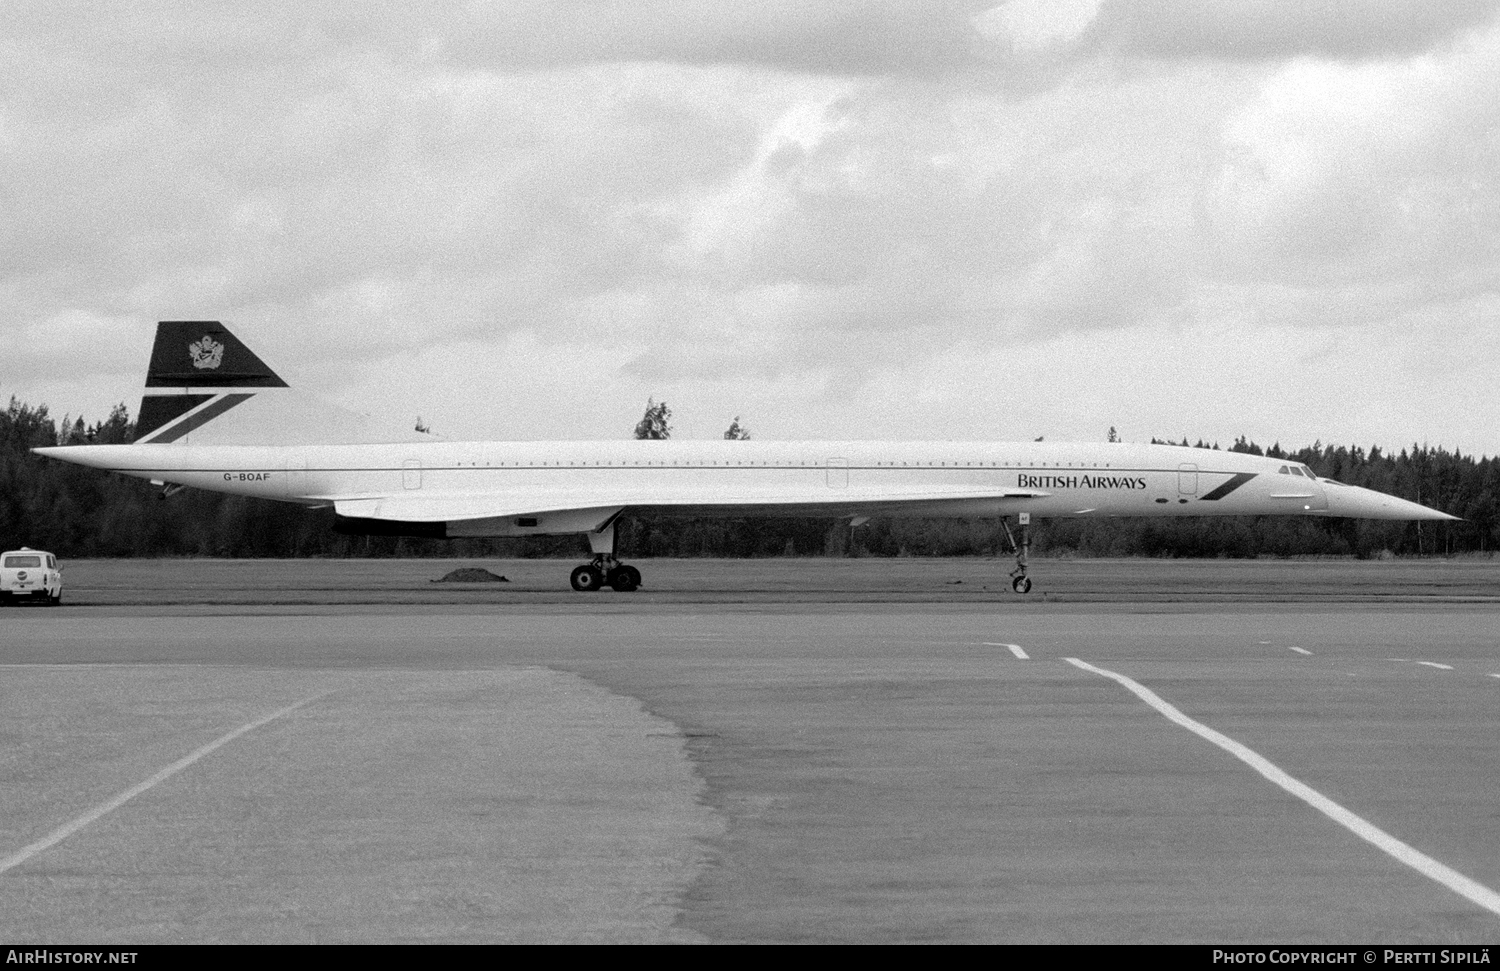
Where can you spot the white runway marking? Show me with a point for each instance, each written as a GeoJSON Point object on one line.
{"type": "Point", "coordinates": [63, 832]}
{"type": "Point", "coordinates": [1014, 649]}
{"type": "Point", "coordinates": [1494, 675]}
{"type": "Point", "coordinates": [1469, 889]}
{"type": "Point", "coordinates": [1300, 650]}
{"type": "Point", "coordinates": [1434, 664]}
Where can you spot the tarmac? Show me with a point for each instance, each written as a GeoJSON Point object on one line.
{"type": "Point", "coordinates": [754, 751]}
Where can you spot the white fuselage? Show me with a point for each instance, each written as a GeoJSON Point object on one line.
{"type": "Point", "coordinates": [745, 478]}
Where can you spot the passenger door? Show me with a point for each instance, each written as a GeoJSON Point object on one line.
{"type": "Point", "coordinates": [838, 473]}
{"type": "Point", "coordinates": [1187, 480]}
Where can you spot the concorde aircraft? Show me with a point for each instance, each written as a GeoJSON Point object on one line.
{"type": "Point", "coordinates": [215, 417]}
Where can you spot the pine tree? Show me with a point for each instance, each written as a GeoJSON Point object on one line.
{"type": "Point", "coordinates": [656, 423]}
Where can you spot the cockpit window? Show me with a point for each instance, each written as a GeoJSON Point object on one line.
{"type": "Point", "coordinates": [1296, 471]}
{"type": "Point", "coordinates": [1309, 473]}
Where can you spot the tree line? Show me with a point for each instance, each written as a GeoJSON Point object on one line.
{"type": "Point", "coordinates": [80, 512]}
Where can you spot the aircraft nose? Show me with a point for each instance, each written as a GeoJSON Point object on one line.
{"type": "Point", "coordinates": [1356, 502]}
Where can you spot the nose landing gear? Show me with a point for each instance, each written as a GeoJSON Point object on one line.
{"type": "Point", "coordinates": [1020, 582]}
{"type": "Point", "coordinates": [604, 569]}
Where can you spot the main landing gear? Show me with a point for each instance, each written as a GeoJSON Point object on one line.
{"type": "Point", "coordinates": [1020, 582]}
{"type": "Point", "coordinates": [604, 570]}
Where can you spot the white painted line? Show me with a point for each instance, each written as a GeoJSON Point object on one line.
{"type": "Point", "coordinates": [63, 832]}
{"type": "Point", "coordinates": [1494, 675]}
{"type": "Point", "coordinates": [1301, 651]}
{"type": "Point", "coordinates": [1014, 649]}
{"type": "Point", "coordinates": [1469, 889]}
{"type": "Point", "coordinates": [1434, 664]}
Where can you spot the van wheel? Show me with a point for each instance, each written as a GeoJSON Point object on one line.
{"type": "Point", "coordinates": [55, 601]}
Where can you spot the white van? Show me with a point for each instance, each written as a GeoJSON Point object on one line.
{"type": "Point", "coordinates": [30, 574]}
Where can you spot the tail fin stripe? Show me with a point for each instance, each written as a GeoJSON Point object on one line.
{"type": "Point", "coordinates": [162, 409]}
{"type": "Point", "coordinates": [198, 419]}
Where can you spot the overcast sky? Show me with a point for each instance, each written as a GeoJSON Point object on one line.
{"type": "Point", "coordinates": [832, 218]}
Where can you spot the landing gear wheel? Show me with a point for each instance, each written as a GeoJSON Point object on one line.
{"type": "Point", "coordinates": [1020, 582]}
{"type": "Point", "coordinates": [587, 578]}
{"type": "Point", "coordinates": [624, 578]}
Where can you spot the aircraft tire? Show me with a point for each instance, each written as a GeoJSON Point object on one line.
{"type": "Point", "coordinates": [586, 579]}
{"type": "Point", "coordinates": [624, 578]}
{"type": "Point", "coordinates": [1021, 585]}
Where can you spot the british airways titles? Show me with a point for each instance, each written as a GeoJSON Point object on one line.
{"type": "Point", "coordinates": [1027, 481]}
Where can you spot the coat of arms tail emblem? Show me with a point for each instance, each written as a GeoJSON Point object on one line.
{"type": "Point", "coordinates": [207, 353]}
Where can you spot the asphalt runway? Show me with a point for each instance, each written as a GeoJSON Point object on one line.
{"type": "Point", "coordinates": [781, 750]}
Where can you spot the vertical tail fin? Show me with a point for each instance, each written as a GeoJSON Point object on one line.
{"type": "Point", "coordinates": [204, 354]}
{"type": "Point", "coordinates": [206, 387]}
{"type": "Point", "coordinates": [199, 361]}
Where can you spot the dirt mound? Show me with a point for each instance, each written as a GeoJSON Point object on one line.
{"type": "Point", "coordinates": [472, 574]}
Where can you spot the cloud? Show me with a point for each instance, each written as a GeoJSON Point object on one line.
{"type": "Point", "coordinates": [1270, 30]}
{"type": "Point", "coordinates": [1378, 175]}
{"type": "Point", "coordinates": [703, 199]}
{"type": "Point", "coordinates": [849, 37]}
{"type": "Point", "coordinates": [857, 37]}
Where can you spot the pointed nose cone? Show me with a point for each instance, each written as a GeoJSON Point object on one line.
{"type": "Point", "coordinates": [1355, 502]}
